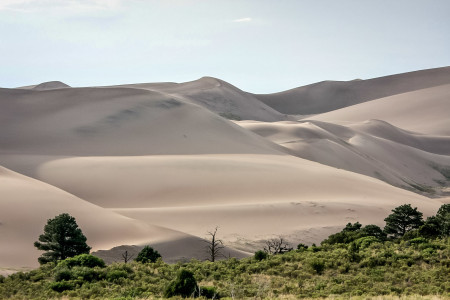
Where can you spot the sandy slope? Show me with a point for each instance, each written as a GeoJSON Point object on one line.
{"type": "Point", "coordinates": [330, 95]}
{"type": "Point", "coordinates": [26, 204]}
{"type": "Point", "coordinates": [218, 96]}
{"type": "Point", "coordinates": [115, 121]}
{"type": "Point", "coordinates": [193, 193]}
{"type": "Point", "coordinates": [374, 148]}
{"type": "Point", "coordinates": [423, 111]}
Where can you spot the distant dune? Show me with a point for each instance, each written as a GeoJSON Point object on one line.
{"type": "Point", "coordinates": [218, 96]}
{"type": "Point", "coordinates": [423, 111]}
{"type": "Point", "coordinates": [373, 148]}
{"type": "Point", "coordinates": [162, 163]}
{"type": "Point", "coordinates": [331, 95]}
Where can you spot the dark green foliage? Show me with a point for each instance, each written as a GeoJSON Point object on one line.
{"type": "Point", "coordinates": [62, 286]}
{"type": "Point", "coordinates": [184, 285]}
{"type": "Point", "coordinates": [404, 218]}
{"type": "Point", "coordinates": [443, 217]}
{"type": "Point", "coordinates": [375, 231]}
{"type": "Point", "coordinates": [209, 292]}
{"type": "Point", "coordinates": [83, 260]}
{"type": "Point", "coordinates": [148, 255]}
{"type": "Point", "coordinates": [61, 239]}
{"type": "Point", "coordinates": [115, 275]}
{"type": "Point", "coordinates": [2, 278]}
{"type": "Point", "coordinates": [63, 274]}
{"type": "Point", "coordinates": [317, 264]}
{"type": "Point", "coordinates": [260, 255]}
{"type": "Point", "coordinates": [302, 247]}
{"type": "Point", "coordinates": [352, 227]}
{"type": "Point", "coordinates": [431, 228]}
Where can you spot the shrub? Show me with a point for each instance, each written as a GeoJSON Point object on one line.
{"type": "Point", "coordinates": [260, 255]}
{"type": "Point", "coordinates": [184, 285]}
{"type": "Point", "coordinates": [87, 274]}
{"type": "Point", "coordinates": [114, 275]}
{"type": "Point", "coordinates": [63, 274]}
{"type": "Point", "coordinates": [364, 242]}
{"type": "Point", "coordinates": [148, 255]}
{"type": "Point", "coordinates": [83, 260]}
{"type": "Point", "coordinates": [302, 247]}
{"type": "Point", "coordinates": [317, 265]}
{"type": "Point", "coordinates": [62, 286]}
{"type": "Point", "coordinates": [209, 292]}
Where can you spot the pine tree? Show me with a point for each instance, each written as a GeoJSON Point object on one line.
{"type": "Point", "coordinates": [62, 238]}
{"type": "Point", "coordinates": [403, 219]}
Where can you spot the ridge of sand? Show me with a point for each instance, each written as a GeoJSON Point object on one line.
{"type": "Point", "coordinates": [422, 111]}
{"type": "Point", "coordinates": [373, 148]}
{"type": "Point", "coordinates": [219, 97]}
{"type": "Point", "coordinates": [116, 121]}
{"type": "Point", "coordinates": [26, 204]}
{"type": "Point", "coordinates": [184, 192]}
{"type": "Point", "coordinates": [331, 95]}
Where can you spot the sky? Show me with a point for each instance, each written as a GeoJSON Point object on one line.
{"type": "Point", "coordinates": [259, 46]}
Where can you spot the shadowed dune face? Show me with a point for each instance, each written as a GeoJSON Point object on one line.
{"type": "Point", "coordinates": [374, 148]}
{"type": "Point", "coordinates": [116, 121]}
{"type": "Point", "coordinates": [331, 95]}
{"type": "Point", "coordinates": [219, 97]}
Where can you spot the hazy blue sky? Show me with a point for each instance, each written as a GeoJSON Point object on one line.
{"type": "Point", "coordinates": [257, 45]}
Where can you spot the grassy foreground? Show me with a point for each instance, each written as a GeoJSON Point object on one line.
{"type": "Point", "coordinates": [373, 270]}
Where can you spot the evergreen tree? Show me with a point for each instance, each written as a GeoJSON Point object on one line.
{"type": "Point", "coordinates": [403, 219]}
{"type": "Point", "coordinates": [443, 218]}
{"type": "Point", "coordinates": [61, 239]}
{"type": "Point", "coordinates": [148, 255]}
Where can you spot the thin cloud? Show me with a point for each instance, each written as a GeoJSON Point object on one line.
{"type": "Point", "coordinates": [242, 20]}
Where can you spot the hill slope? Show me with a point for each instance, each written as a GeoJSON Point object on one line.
{"type": "Point", "coordinates": [331, 95]}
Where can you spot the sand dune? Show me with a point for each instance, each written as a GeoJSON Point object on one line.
{"type": "Point", "coordinates": [422, 111]}
{"type": "Point", "coordinates": [156, 163]}
{"type": "Point", "coordinates": [191, 193]}
{"type": "Point", "coordinates": [26, 204]}
{"type": "Point", "coordinates": [218, 96]}
{"type": "Point", "coordinates": [50, 85]}
{"type": "Point", "coordinates": [115, 121]}
{"type": "Point", "coordinates": [331, 95]}
{"type": "Point", "coordinates": [373, 148]}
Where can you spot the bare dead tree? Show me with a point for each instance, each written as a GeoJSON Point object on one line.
{"type": "Point", "coordinates": [214, 246]}
{"type": "Point", "coordinates": [126, 256]}
{"type": "Point", "coordinates": [277, 246]}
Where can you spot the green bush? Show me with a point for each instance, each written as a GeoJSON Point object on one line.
{"type": "Point", "coordinates": [62, 286]}
{"type": "Point", "coordinates": [317, 265]}
{"type": "Point", "coordinates": [114, 275]}
{"type": "Point", "coordinates": [184, 285]}
{"type": "Point", "coordinates": [82, 260]}
{"type": "Point", "coordinates": [209, 292]}
{"type": "Point", "coordinates": [260, 255]}
{"type": "Point", "coordinates": [63, 274]}
{"type": "Point", "coordinates": [148, 255]}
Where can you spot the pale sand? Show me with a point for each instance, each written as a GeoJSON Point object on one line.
{"type": "Point", "coordinates": [159, 154]}
{"type": "Point", "coordinates": [423, 111]}
{"type": "Point", "coordinates": [331, 95]}
{"type": "Point", "coordinates": [218, 96]}
{"type": "Point", "coordinates": [26, 205]}
{"type": "Point", "coordinates": [373, 148]}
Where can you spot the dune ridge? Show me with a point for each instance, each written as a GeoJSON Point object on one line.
{"type": "Point", "coordinates": [331, 95]}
